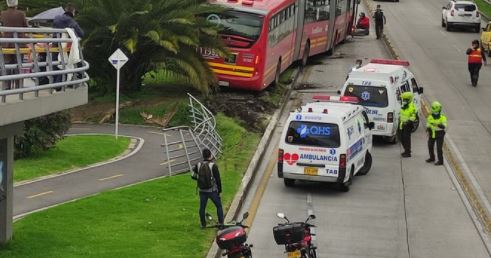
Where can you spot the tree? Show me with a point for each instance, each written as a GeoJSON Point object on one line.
{"type": "Point", "coordinates": [41, 133]}
{"type": "Point", "coordinates": [157, 35]}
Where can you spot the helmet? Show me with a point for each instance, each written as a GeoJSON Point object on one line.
{"type": "Point", "coordinates": [407, 96]}
{"type": "Point", "coordinates": [436, 107]}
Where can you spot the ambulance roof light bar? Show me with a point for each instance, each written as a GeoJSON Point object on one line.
{"type": "Point", "coordinates": [389, 62]}
{"type": "Point", "coordinates": [327, 98]}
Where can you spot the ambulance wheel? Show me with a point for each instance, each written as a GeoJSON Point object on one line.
{"type": "Point", "coordinates": [289, 182]}
{"type": "Point", "coordinates": [367, 165]}
{"type": "Point", "coordinates": [391, 139]}
{"type": "Point", "coordinates": [344, 187]}
{"type": "Point", "coordinates": [415, 124]}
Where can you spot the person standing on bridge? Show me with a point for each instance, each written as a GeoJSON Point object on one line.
{"type": "Point", "coordinates": [12, 18]}
{"type": "Point", "coordinates": [380, 20]}
{"type": "Point", "coordinates": [407, 116]}
{"type": "Point", "coordinates": [475, 58]}
{"type": "Point", "coordinates": [207, 175]}
{"type": "Point", "coordinates": [436, 124]}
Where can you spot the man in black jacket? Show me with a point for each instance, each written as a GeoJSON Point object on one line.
{"type": "Point", "coordinates": [213, 192]}
{"type": "Point", "coordinates": [380, 20]}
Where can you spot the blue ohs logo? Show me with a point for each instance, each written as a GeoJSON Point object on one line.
{"type": "Point", "coordinates": [298, 117]}
{"type": "Point", "coordinates": [365, 95]}
{"type": "Point", "coordinates": [332, 151]}
{"type": "Point", "coordinates": [305, 131]}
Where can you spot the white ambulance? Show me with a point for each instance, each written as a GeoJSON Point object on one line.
{"type": "Point", "coordinates": [378, 86]}
{"type": "Point", "coordinates": [326, 141]}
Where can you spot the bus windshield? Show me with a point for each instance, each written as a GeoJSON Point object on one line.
{"type": "Point", "coordinates": [368, 95]}
{"type": "Point", "coordinates": [233, 23]}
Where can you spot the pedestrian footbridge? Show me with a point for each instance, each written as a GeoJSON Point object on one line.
{"type": "Point", "coordinates": [42, 71]}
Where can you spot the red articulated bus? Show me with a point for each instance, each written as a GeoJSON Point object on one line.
{"type": "Point", "coordinates": [266, 36]}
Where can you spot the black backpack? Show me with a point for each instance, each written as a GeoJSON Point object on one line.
{"type": "Point", "coordinates": [205, 175]}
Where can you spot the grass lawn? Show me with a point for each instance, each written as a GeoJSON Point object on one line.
{"type": "Point", "coordinates": [484, 7]}
{"type": "Point", "coordinates": [69, 153]}
{"type": "Point", "coordinates": [153, 219]}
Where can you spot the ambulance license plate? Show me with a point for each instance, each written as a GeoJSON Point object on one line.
{"type": "Point", "coordinates": [311, 171]}
{"type": "Point", "coordinates": [294, 254]}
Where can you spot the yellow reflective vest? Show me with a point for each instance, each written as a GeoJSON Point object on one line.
{"type": "Point", "coordinates": [408, 114]}
{"type": "Point", "coordinates": [433, 123]}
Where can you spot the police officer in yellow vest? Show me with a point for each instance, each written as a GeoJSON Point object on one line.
{"type": "Point", "coordinates": [407, 116]}
{"type": "Point", "coordinates": [436, 124]}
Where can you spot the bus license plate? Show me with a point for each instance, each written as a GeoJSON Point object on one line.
{"type": "Point", "coordinates": [295, 254]}
{"type": "Point", "coordinates": [311, 171]}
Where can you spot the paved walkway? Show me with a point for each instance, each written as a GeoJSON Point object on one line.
{"type": "Point", "coordinates": [146, 164]}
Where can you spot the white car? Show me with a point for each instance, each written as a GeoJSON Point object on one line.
{"type": "Point", "coordinates": [461, 14]}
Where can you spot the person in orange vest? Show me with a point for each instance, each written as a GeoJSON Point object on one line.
{"type": "Point", "coordinates": [475, 58]}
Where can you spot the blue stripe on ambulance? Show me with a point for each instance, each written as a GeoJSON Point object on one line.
{"type": "Point", "coordinates": [355, 149]}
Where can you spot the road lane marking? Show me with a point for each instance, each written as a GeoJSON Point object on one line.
{"type": "Point", "coordinates": [39, 195]}
{"type": "Point", "coordinates": [110, 177]}
{"type": "Point", "coordinates": [165, 163]}
{"type": "Point", "coordinates": [157, 133]}
{"type": "Point", "coordinates": [261, 188]}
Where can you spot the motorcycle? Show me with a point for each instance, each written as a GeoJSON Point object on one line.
{"type": "Point", "coordinates": [296, 237]}
{"type": "Point", "coordinates": [232, 238]}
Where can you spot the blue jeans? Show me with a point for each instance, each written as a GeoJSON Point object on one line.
{"type": "Point", "coordinates": [203, 199]}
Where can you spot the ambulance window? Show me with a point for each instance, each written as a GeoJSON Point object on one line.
{"type": "Point", "coordinates": [405, 87]}
{"type": "Point", "coordinates": [313, 134]}
{"type": "Point", "coordinates": [369, 96]}
{"type": "Point", "coordinates": [365, 118]}
{"type": "Point", "coordinates": [415, 85]}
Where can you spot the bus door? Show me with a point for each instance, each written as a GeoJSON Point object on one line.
{"type": "Point", "coordinates": [300, 7]}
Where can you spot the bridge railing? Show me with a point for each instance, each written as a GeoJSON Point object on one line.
{"type": "Point", "coordinates": [34, 60]}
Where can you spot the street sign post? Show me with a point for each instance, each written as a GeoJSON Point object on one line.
{"type": "Point", "coordinates": [117, 59]}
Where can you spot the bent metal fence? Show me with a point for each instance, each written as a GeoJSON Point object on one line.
{"type": "Point", "coordinates": [39, 60]}
{"type": "Point", "coordinates": [183, 145]}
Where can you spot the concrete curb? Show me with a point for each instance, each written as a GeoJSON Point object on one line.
{"type": "Point", "coordinates": [252, 169]}
{"type": "Point", "coordinates": [134, 147]}
{"type": "Point", "coordinates": [467, 187]}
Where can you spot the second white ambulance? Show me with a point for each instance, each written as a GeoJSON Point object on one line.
{"type": "Point", "coordinates": [378, 87]}
{"type": "Point", "coordinates": [326, 141]}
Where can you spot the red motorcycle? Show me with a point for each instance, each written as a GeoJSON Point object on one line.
{"type": "Point", "coordinates": [232, 238]}
{"type": "Point", "coordinates": [296, 237]}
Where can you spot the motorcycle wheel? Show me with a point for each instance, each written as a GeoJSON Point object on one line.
{"type": "Point", "coordinates": [313, 253]}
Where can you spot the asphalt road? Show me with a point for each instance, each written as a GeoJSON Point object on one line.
{"type": "Point", "coordinates": [148, 163]}
{"type": "Point", "coordinates": [402, 208]}
{"type": "Point", "coordinates": [439, 62]}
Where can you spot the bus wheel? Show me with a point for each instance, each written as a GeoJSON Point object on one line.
{"type": "Point", "coordinates": [306, 53]}
{"type": "Point", "coordinates": [277, 74]}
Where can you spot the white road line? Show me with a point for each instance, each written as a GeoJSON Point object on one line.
{"type": "Point", "coordinates": [39, 195]}
{"type": "Point", "coordinates": [165, 163]}
{"type": "Point", "coordinates": [158, 133]}
{"type": "Point", "coordinates": [111, 177]}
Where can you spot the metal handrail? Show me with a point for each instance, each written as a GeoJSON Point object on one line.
{"type": "Point", "coordinates": [41, 61]}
